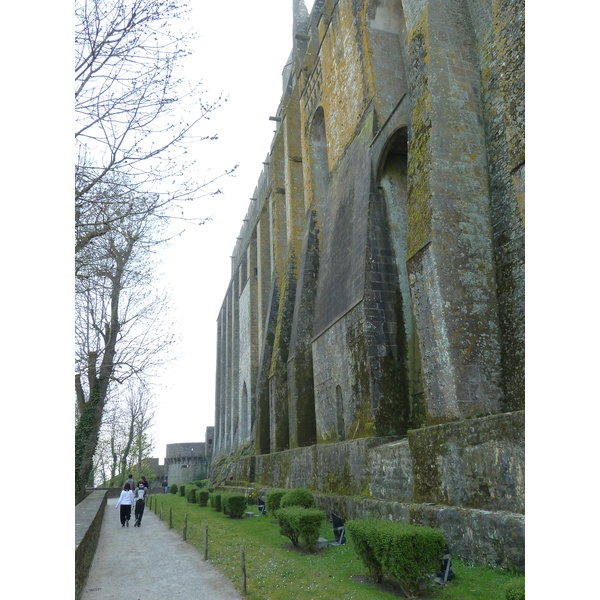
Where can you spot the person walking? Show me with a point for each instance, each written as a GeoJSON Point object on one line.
{"type": "Point", "coordinates": [125, 502]}
{"type": "Point", "coordinates": [165, 485]}
{"type": "Point", "coordinates": [140, 503]}
{"type": "Point", "coordinates": [131, 482]}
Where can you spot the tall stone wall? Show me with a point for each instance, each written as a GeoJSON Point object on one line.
{"type": "Point", "coordinates": [377, 284]}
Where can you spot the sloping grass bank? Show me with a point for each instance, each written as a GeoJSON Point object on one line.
{"type": "Point", "coordinates": [277, 571]}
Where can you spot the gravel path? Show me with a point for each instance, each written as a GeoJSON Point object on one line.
{"type": "Point", "coordinates": [150, 562]}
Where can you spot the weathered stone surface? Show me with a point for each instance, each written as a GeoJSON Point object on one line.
{"type": "Point", "coordinates": [378, 281]}
{"type": "Point", "coordinates": [478, 463]}
{"type": "Point", "coordinates": [391, 472]}
{"type": "Point", "coordinates": [88, 520]}
{"type": "Point", "coordinates": [495, 539]}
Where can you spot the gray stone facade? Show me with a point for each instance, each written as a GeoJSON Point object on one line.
{"type": "Point", "coordinates": [377, 285]}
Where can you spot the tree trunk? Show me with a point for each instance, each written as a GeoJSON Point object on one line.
{"type": "Point", "coordinates": [88, 427]}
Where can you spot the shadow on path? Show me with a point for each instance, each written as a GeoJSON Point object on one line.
{"type": "Point", "coordinates": [150, 562]}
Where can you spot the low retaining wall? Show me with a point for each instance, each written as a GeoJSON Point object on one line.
{"type": "Point", "coordinates": [465, 478]}
{"type": "Point", "coordinates": [490, 538]}
{"type": "Point", "coordinates": [88, 520]}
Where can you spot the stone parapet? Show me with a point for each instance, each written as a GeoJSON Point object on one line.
{"type": "Point", "coordinates": [88, 520]}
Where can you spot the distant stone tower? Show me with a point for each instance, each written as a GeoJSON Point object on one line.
{"type": "Point", "coordinates": [186, 462]}
{"type": "Point", "coordinates": [377, 284]}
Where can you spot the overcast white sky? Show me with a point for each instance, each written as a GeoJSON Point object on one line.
{"type": "Point", "coordinates": [242, 50]}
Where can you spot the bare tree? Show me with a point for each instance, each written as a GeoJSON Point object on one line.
{"type": "Point", "coordinates": [135, 117]}
{"type": "Point", "coordinates": [121, 327]}
{"type": "Point", "coordinates": [135, 114]}
{"type": "Point", "coordinates": [124, 441]}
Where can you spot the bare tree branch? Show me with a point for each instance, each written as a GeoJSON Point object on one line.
{"type": "Point", "coordinates": [134, 113]}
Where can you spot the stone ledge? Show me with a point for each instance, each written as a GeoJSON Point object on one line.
{"type": "Point", "coordinates": [88, 520]}
{"type": "Point", "coordinates": [491, 538]}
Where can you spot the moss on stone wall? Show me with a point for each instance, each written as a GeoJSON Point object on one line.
{"type": "Point", "coordinates": [337, 484]}
{"type": "Point", "coordinates": [477, 463]}
{"type": "Point", "coordinates": [419, 146]}
{"type": "Point", "coordinates": [344, 91]}
{"type": "Point", "coordinates": [328, 436]}
{"type": "Point", "coordinates": [363, 424]}
{"type": "Point", "coordinates": [425, 450]}
{"type": "Point", "coordinates": [282, 323]}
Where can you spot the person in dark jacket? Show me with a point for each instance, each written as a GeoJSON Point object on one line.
{"type": "Point", "coordinates": [140, 503]}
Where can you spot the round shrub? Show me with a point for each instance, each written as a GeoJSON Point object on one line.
{"type": "Point", "coordinates": [273, 500]}
{"type": "Point", "coordinates": [174, 488]}
{"type": "Point", "coordinates": [298, 497]}
{"type": "Point", "coordinates": [296, 522]}
{"type": "Point", "coordinates": [407, 552]}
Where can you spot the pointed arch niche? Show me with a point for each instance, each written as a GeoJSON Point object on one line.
{"type": "Point", "coordinates": [392, 184]}
{"type": "Point", "coordinates": [319, 164]}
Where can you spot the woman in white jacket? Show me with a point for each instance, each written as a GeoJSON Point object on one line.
{"type": "Point", "coordinates": [125, 502]}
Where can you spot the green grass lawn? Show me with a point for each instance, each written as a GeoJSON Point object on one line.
{"type": "Point", "coordinates": [277, 571]}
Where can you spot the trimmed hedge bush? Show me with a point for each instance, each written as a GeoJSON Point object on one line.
{"type": "Point", "coordinates": [515, 589]}
{"type": "Point", "coordinates": [215, 501]}
{"type": "Point", "coordinates": [182, 491]}
{"type": "Point", "coordinates": [298, 497]}
{"type": "Point", "coordinates": [225, 502]}
{"type": "Point", "coordinates": [236, 505]}
{"type": "Point", "coordinates": [299, 523]}
{"type": "Point", "coordinates": [190, 492]}
{"type": "Point", "coordinates": [273, 500]}
{"type": "Point", "coordinates": [202, 497]}
{"type": "Point", "coordinates": [409, 553]}
{"type": "Point", "coordinates": [173, 489]}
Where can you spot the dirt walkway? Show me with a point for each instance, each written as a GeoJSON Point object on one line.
{"type": "Point", "coordinates": [150, 562]}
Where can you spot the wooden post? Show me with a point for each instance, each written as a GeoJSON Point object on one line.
{"type": "Point", "coordinates": [161, 511]}
{"type": "Point", "coordinates": [155, 505]}
{"type": "Point", "coordinates": [170, 517]}
{"type": "Point", "coordinates": [184, 527]}
{"type": "Point", "coordinates": [243, 560]}
{"type": "Point", "coordinates": [205, 543]}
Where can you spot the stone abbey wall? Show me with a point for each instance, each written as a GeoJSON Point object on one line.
{"type": "Point", "coordinates": [377, 284]}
